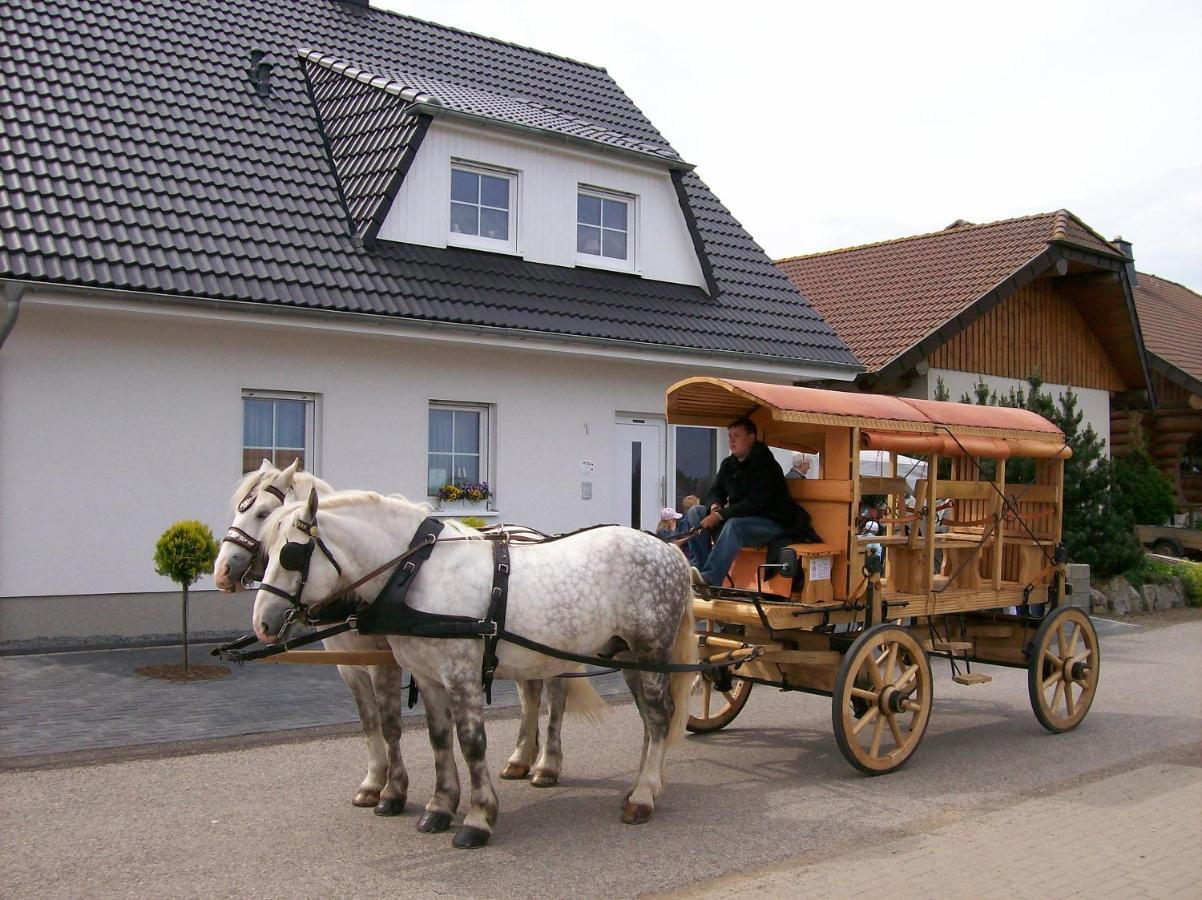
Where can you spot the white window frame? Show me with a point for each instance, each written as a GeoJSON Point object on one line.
{"type": "Point", "coordinates": [475, 241]}
{"type": "Point", "coordinates": [608, 262]}
{"type": "Point", "coordinates": [487, 423]}
{"type": "Point", "coordinates": [312, 420]}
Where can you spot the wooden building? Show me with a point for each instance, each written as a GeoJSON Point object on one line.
{"type": "Point", "coordinates": [992, 302]}
{"type": "Point", "coordinates": [1170, 317]}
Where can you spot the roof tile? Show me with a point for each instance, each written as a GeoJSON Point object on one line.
{"type": "Point", "coordinates": [1170, 316]}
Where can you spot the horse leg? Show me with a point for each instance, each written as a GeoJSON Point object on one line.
{"type": "Point", "coordinates": [468, 703]}
{"type": "Point", "coordinates": [656, 710]}
{"type": "Point", "coordinates": [635, 683]}
{"type": "Point", "coordinates": [386, 687]}
{"type": "Point", "coordinates": [373, 782]}
{"type": "Point", "coordinates": [441, 808]}
{"type": "Point", "coordinates": [518, 766]}
{"type": "Point", "coordinates": [550, 760]}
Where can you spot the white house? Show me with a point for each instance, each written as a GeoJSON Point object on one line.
{"type": "Point", "coordinates": [407, 254]}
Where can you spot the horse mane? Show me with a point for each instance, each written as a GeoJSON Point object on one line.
{"type": "Point", "coordinates": [284, 517]}
{"type": "Point", "coordinates": [302, 483]}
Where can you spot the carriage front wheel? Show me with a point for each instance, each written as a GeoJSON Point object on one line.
{"type": "Point", "coordinates": [715, 705]}
{"type": "Point", "coordinates": [1063, 674]}
{"type": "Point", "coordinates": [882, 699]}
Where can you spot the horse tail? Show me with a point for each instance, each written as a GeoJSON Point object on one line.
{"type": "Point", "coordinates": [681, 683]}
{"type": "Point", "coordinates": [582, 699]}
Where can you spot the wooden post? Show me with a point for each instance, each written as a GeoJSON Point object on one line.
{"type": "Point", "coordinates": [853, 544]}
{"type": "Point", "coordinates": [999, 533]}
{"type": "Point", "coordinates": [928, 578]}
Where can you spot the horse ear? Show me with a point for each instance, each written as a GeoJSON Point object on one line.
{"type": "Point", "coordinates": [312, 504]}
{"type": "Point", "coordinates": [284, 480]}
{"type": "Point", "coordinates": [265, 466]}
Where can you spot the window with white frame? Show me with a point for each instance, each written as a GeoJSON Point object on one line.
{"type": "Point", "coordinates": [482, 207]}
{"type": "Point", "coordinates": [277, 426]}
{"type": "Point", "coordinates": [458, 445]}
{"type": "Point", "coordinates": [604, 229]}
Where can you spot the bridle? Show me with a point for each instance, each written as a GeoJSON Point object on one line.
{"type": "Point", "coordinates": [296, 556]}
{"type": "Point", "coordinates": [239, 538]}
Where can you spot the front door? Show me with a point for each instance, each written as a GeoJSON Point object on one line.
{"type": "Point", "coordinates": [639, 472]}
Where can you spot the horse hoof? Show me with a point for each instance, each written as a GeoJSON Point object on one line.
{"type": "Point", "coordinates": [468, 838]}
{"type": "Point", "coordinates": [390, 806]}
{"type": "Point", "coordinates": [434, 822]}
{"type": "Point", "coordinates": [635, 813]}
{"type": "Point", "coordinates": [545, 779]}
{"type": "Point", "coordinates": [366, 798]}
{"type": "Point", "coordinates": [514, 772]}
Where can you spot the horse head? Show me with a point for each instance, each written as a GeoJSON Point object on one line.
{"type": "Point", "coordinates": [258, 495]}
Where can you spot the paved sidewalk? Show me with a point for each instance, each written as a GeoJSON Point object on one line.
{"type": "Point", "coordinates": [92, 700]}
{"type": "Point", "coordinates": [1135, 834]}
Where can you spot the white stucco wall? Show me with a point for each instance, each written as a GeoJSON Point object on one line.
{"type": "Point", "coordinates": [1093, 403]}
{"type": "Point", "coordinates": [115, 425]}
{"type": "Point", "coordinates": [548, 176]}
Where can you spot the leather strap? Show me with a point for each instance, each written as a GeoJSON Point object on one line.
{"type": "Point", "coordinates": [497, 603]}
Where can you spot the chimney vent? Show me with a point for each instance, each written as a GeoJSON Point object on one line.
{"type": "Point", "coordinates": [1125, 247]}
{"type": "Point", "coordinates": [260, 73]}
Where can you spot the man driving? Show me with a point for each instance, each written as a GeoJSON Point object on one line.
{"type": "Point", "coordinates": [748, 505]}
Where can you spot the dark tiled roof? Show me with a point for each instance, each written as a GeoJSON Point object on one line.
{"type": "Point", "coordinates": [884, 298]}
{"type": "Point", "coordinates": [136, 155]}
{"type": "Point", "coordinates": [528, 114]}
{"type": "Point", "coordinates": [1171, 318]}
{"type": "Point", "coordinates": [373, 136]}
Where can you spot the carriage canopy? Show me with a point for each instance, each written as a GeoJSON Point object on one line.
{"type": "Point", "coordinates": [898, 424]}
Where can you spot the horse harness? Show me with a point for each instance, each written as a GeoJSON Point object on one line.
{"type": "Point", "coordinates": [389, 613]}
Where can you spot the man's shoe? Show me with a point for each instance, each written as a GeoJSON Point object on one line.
{"type": "Point", "coordinates": [698, 578]}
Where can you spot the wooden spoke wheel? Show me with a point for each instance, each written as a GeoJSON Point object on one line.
{"type": "Point", "coordinates": [713, 708]}
{"type": "Point", "coordinates": [1062, 677]}
{"type": "Point", "coordinates": [882, 699]}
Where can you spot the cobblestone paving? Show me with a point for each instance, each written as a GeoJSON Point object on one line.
{"type": "Point", "coordinates": [63, 702]}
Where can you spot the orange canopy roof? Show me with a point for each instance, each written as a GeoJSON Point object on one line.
{"type": "Point", "coordinates": [890, 423]}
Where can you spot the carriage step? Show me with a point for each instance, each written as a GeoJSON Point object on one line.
{"type": "Point", "coordinates": [972, 678]}
{"type": "Point", "coordinates": [947, 646]}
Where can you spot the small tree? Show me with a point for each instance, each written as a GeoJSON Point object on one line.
{"type": "Point", "coordinates": [1144, 493]}
{"type": "Point", "coordinates": [184, 552]}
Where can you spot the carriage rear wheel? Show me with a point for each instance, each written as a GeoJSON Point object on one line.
{"type": "Point", "coordinates": [713, 708]}
{"type": "Point", "coordinates": [1062, 677]}
{"type": "Point", "coordinates": [882, 699]}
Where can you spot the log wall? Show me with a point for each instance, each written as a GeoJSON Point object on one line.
{"type": "Point", "coordinates": [1166, 433]}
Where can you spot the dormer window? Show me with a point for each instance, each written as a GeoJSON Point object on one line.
{"type": "Point", "coordinates": [604, 229]}
{"type": "Point", "coordinates": [482, 207]}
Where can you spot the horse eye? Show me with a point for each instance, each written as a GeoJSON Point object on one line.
{"type": "Point", "coordinates": [262, 515]}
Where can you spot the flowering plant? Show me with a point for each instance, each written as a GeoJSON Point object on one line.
{"type": "Point", "coordinates": [466, 491]}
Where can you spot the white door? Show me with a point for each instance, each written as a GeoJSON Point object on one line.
{"type": "Point", "coordinates": [639, 472]}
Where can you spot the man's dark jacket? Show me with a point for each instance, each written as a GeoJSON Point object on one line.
{"type": "Point", "coordinates": [754, 486]}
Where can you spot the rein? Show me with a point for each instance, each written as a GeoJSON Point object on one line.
{"type": "Point", "coordinates": [389, 614]}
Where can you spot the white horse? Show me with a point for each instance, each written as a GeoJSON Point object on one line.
{"type": "Point", "coordinates": [377, 689]}
{"type": "Point", "coordinates": [610, 589]}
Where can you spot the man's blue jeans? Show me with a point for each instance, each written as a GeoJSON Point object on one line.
{"type": "Point", "coordinates": [714, 558]}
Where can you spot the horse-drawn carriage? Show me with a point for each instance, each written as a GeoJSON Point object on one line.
{"type": "Point", "coordinates": [971, 570]}
{"type": "Point", "coordinates": [983, 584]}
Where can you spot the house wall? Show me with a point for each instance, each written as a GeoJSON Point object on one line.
{"type": "Point", "coordinates": [115, 425]}
{"type": "Point", "coordinates": [1044, 326]}
{"type": "Point", "coordinates": [1165, 433]}
{"type": "Point", "coordinates": [1093, 403]}
{"type": "Point", "coordinates": [548, 176]}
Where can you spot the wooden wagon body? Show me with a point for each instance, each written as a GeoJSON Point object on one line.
{"type": "Point", "coordinates": [970, 569]}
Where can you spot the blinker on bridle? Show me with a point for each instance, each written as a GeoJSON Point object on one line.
{"type": "Point", "coordinates": [297, 556]}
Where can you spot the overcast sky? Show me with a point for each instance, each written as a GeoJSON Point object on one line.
{"type": "Point", "coordinates": [834, 124]}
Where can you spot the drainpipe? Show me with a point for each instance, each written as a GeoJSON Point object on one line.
{"type": "Point", "coordinates": [12, 296]}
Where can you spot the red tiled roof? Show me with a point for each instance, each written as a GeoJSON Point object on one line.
{"type": "Point", "coordinates": [1170, 316]}
{"type": "Point", "coordinates": [884, 298]}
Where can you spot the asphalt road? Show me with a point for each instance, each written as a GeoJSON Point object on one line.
{"type": "Point", "coordinates": [277, 820]}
